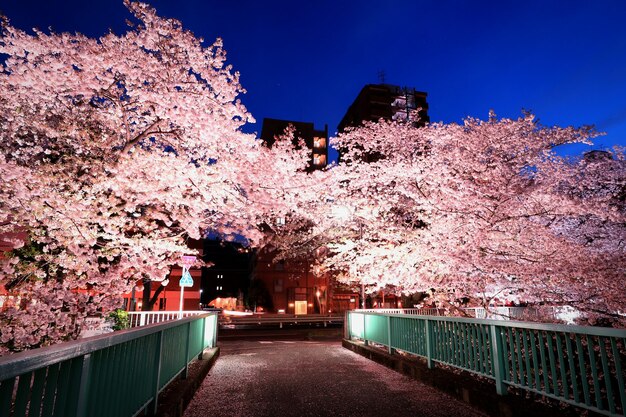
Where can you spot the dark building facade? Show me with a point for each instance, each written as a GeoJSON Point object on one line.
{"type": "Point", "coordinates": [295, 289]}
{"type": "Point", "coordinates": [231, 273]}
{"type": "Point", "coordinates": [385, 101]}
{"type": "Point", "coordinates": [315, 140]}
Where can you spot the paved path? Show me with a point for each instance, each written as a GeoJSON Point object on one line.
{"type": "Point", "coordinates": [312, 378]}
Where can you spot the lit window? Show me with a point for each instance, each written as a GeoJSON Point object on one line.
{"type": "Point", "coordinates": [319, 142]}
{"type": "Point", "coordinates": [319, 159]}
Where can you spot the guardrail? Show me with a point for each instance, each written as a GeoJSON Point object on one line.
{"type": "Point", "coordinates": [279, 319]}
{"type": "Point", "coordinates": [119, 374]}
{"type": "Point", "coordinates": [414, 311]}
{"type": "Point", "coordinates": [493, 313]}
{"type": "Point", "coordinates": [143, 318]}
{"type": "Point", "coordinates": [578, 365]}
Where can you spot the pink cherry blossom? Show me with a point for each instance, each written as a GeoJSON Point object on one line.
{"type": "Point", "coordinates": [115, 152]}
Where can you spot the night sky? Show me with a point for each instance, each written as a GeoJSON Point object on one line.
{"type": "Point", "coordinates": [307, 60]}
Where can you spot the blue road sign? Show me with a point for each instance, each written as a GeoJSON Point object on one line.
{"type": "Point", "coordinates": [186, 280]}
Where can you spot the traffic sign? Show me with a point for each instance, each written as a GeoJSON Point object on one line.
{"type": "Point", "coordinates": [187, 261]}
{"type": "Point", "coordinates": [186, 280]}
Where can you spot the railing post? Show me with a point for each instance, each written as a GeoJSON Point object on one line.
{"type": "Point", "coordinates": [497, 358]}
{"type": "Point", "coordinates": [429, 343]}
{"type": "Point", "coordinates": [390, 349]}
{"type": "Point", "coordinates": [142, 319]}
{"type": "Point", "coordinates": [85, 383]}
{"type": "Point", "coordinates": [365, 330]}
{"type": "Point", "coordinates": [187, 347]}
{"type": "Point", "coordinates": [215, 325]}
{"type": "Point", "coordinates": [346, 326]}
{"type": "Point", "coordinates": [203, 337]}
{"type": "Point", "coordinates": [157, 372]}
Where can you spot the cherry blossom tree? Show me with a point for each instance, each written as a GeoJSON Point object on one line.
{"type": "Point", "coordinates": [115, 151]}
{"type": "Point", "coordinates": [484, 209]}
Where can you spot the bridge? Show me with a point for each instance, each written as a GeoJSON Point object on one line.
{"type": "Point", "coordinates": [497, 366]}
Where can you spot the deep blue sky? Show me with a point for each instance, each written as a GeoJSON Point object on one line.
{"type": "Point", "coordinates": [307, 60]}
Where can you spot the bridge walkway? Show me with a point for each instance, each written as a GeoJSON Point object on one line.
{"type": "Point", "coordinates": [257, 378]}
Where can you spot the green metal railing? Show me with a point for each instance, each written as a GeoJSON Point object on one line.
{"type": "Point", "coordinates": [114, 375]}
{"type": "Point", "coordinates": [579, 365]}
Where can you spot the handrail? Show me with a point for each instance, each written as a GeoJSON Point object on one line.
{"type": "Point", "coordinates": [116, 374]}
{"type": "Point", "coordinates": [142, 318]}
{"type": "Point", "coordinates": [579, 365]}
{"type": "Point", "coordinates": [285, 319]}
{"type": "Point", "coordinates": [591, 330]}
{"type": "Point", "coordinates": [281, 320]}
{"type": "Point", "coordinates": [494, 313]}
{"type": "Point", "coordinates": [428, 311]}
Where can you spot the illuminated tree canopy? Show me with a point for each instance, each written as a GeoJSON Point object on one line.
{"type": "Point", "coordinates": [484, 209]}
{"type": "Point", "coordinates": [116, 150]}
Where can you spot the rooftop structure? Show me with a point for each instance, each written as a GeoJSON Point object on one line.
{"type": "Point", "coordinates": [389, 102]}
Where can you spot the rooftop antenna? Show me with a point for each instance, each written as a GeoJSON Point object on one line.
{"type": "Point", "coordinates": [381, 76]}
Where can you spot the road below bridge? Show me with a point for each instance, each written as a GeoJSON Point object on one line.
{"type": "Point", "coordinates": [255, 378]}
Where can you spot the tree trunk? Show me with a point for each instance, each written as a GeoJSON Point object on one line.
{"type": "Point", "coordinates": [155, 297]}
{"type": "Point", "coordinates": [147, 286]}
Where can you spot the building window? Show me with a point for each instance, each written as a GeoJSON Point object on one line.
{"type": "Point", "coordinates": [319, 142]}
{"type": "Point", "coordinates": [300, 293]}
{"type": "Point", "coordinates": [278, 285]}
{"type": "Point", "coordinates": [319, 159]}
